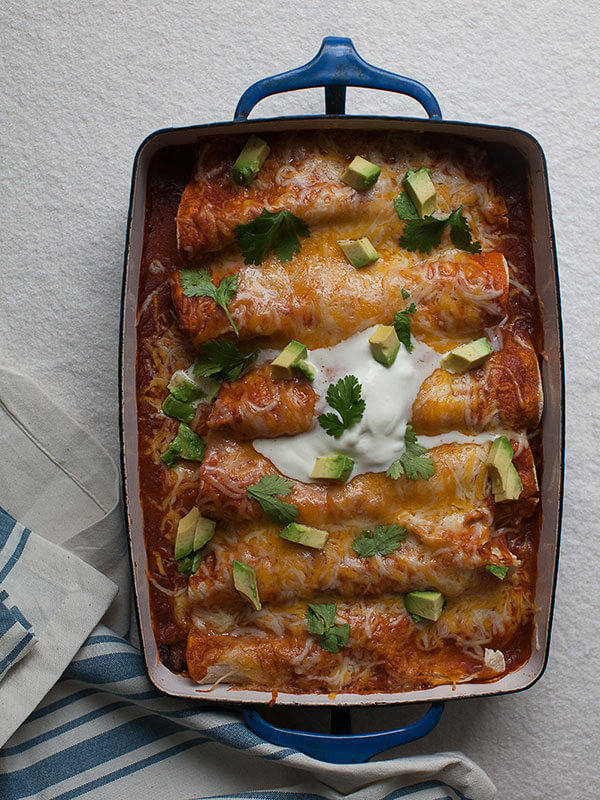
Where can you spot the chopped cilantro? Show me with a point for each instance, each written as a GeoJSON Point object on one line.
{"type": "Point", "coordinates": [197, 283]}
{"type": "Point", "coordinates": [320, 621]}
{"type": "Point", "coordinates": [405, 208]}
{"type": "Point", "coordinates": [497, 571]}
{"type": "Point", "coordinates": [422, 235]}
{"type": "Point", "coordinates": [222, 360]}
{"type": "Point", "coordinates": [412, 462]}
{"type": "Point", "coordinates": [345, 397]}
{"type": "Point", "coordinates": [275, 510]}
{"type": "Point", "coordinates": [276, 231]}
{"type": "Point", "coordinates": [402, 322]}
{"type": "Point", "coordinates": [383, 540]}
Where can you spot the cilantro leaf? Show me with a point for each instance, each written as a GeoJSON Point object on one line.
{"type": "Point", "coordinates": [383, 540]}
{"type": "Point", "coordinates": [320, 617]}
{"type": "Point", "coordinates": [320, 621]}
{"type": "Point", "coordinates": [412, 463]}
{"type": "Point", "coordinates": [197, 283]}
{"type": "Point", "coordinates": [405, 208]}
{"type": "Point", "coordinates": [405, 294]}
{"type": "Point", "coordinates": [222, 360]}
{"type": "Point", "coordinates": [336, 638]}
{"type": "Point", "coordinates": [186, 444]}
{"type": "Point", "coordinates": [423, 235]}
{"type": "Point", "coordinates": [345, 397]}
{"type": "Point", "coordinates": [275, 510]}
{"type": "Point", "coordinates": [402, 324]}
{"type": "Point", "coordinates": [276, 231]}
{"type": "Point", "coordinates": [460, 232]}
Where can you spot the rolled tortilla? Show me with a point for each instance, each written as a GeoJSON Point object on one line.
{"type": "Point", "coordinates": [321, 299]}
{"type": "Point", "coordinates": [272, 649]}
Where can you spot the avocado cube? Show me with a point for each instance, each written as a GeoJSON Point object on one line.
{"type": "Point", "coordinates": [467, 356]}
{"type": "Point", "coordinates": [498, 462]}
{"type": "Point", "coordinates": [175, 408]}
{"type": "Point", "coordinates": [333, 468]}
{"type": "Point", "coordinates": [184, 565]}
{"type": "Point", "coordinates": [306, 369]}
{"type": "Point", "coordinates": [421, 190]}
{"type": "Point", "coordinates": [184, 540]}
{"type": "Point", "coordinates": [512, 488]}
{"type": "Point", "coordinates": [359, 252]}
{"type": "Point", "coordinates": [250, 160]}
{"type": "Point", "coordinates": [182, 388]}
{"type": "Point", "coordinates": [196, 561]}
{"type": "Point", "coordinates": [281, 367]}
{"type": "Point", "coordinates": [497, 571]}
{"type": "Point", "coordinates": [428, 605]}
{"type": "Point", "coordinates": [304, 534]}
{"type": "Point", "coordinates": [205, 530]}
{"type": "Point", "coordinates": [361, 174]}
{"type": "Point", "coordinates": [244, 580]}
{"type": "Point", "coordinates": [385, 345]}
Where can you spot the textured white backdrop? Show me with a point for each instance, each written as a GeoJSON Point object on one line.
{"type": "Point", "coordinates": [84, 82]}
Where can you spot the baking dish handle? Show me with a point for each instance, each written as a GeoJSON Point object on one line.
{"type": "Point", "coordinates": [343, 748]}
{"type": "Point", "coordinates": [336, 66]}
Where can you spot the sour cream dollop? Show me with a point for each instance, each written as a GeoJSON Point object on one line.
{"type": "Point", "coordinates": [389, 392]}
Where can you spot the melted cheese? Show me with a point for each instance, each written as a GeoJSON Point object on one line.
{"type": "Point", "coordinates": [454, 527]}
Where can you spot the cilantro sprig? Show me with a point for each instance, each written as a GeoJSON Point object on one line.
{"type": "Point", "coordinates": [422, 235]}
{"type": "Point", "coordinates": [276, 231]}
{"type": "Point", "coordinates": [263, 492]}
{"type": "Point", "coordinates": [402, 322]}
{"type": "Point", "coordinates": [197, 283]}
{"type": "Point", "coordinates": [412, 463]}
{"type": "Point", "coordinates": [320, 621]}
{"type": "Point", "coordinates": [345, 397]}
{"type": "Point", "coordinates": [382, 540]}
{"type": "Point", "coordinates": [222, 360]}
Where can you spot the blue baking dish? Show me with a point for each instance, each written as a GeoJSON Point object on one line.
{"type": "Point", "coordinates": [336, 66]}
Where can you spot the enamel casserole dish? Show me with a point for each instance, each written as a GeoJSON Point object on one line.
{"type": "Point", "coordinates": [336, 66]}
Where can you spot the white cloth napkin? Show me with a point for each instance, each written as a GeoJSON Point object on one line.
{"type": "Point", "coordinates": [102, 731]}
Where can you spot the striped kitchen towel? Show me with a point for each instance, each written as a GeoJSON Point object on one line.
{"type": "Point", "coordinates": [105, 733]}
{"type": "Point", "coordinates": [78, 716]}
{"type": "Point", "coordinates": [16, 634]}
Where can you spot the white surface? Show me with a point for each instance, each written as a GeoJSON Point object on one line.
{"type": "Point", "coordinates": [84, 83]}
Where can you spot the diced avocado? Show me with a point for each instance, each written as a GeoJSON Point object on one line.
{"type": "Point", "coordinates": [190, 564]}
{"type": "Point", "coordinates": [186, 444]}
{"type": "Point", "coordinates": [497, 571]}
{"type": "Point", "coordinates": [185, 565]}
{"type": "Point", "coordinates": [506, 484]}
{"type": "Point", "coordinates": [182, 388]}
{"type": "Point", "coordinates": [175, 408]}
{"type": "Point", "coordinates": [385, 345]}
{"type": "Point", "coordinates": [361, 174]}
{"type": "Point", "coordinates": [184, 540]}
{"type": "Point", "coordinates": [512, 488]}
{"type": "Point", "coordinates": [306, 369]}
{"type": "Point", "coordinates": [467, 356]}
{"type": "Point", "coordinates": [333, 468]}
{"type": "Point", "coordinates": [205, 530]}
{"type": "Point", "coordinates": [428, 605]}
{"type": "Point", "coordinates": [196, 561]}
{"type": "Point", "coordinates": [359, 252]}
{"type": "Point", "coordinates": [281, 367]}
{"type": "Point", "coordinates": [303, 534]}
{"type": "Point", "coordinates": [244, 580]}
{"type": "Point", "coordinates": [250, 160]}
{"type": "Point", "coordinates": [421, 190]}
